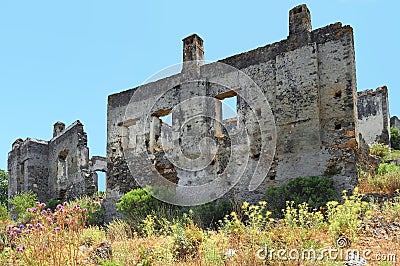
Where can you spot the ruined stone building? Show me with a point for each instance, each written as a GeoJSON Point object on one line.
{"type": "Point", "coordinates": [295, 115]}
{"type": "Point", "coordinates": [58, 168]}
{"type": "Point", "coordinates": [373, 115]}
{"type": "Point", "coordinates": [395, 122]}
{"type": "Point", "coordinates": [309, 80]}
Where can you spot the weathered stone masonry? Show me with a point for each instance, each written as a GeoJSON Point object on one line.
{"type": "Point", "coordinates": [395, 122]}
{"type": "Point", "coordinates": [373, 115]}
{"type": "Point", "coordinates": [309, 80]}
{"type": "Point", "coordinates": [58, 168]}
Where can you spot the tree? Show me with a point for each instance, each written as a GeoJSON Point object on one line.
{"type": "Point", "coordinates": [3, 186]}
{"type": "Point", "coordinates": [20, 204]}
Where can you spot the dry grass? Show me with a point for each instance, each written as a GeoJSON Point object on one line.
{"type": "Point", "coordinates": [395, 155]}
{"type": "Point", "coordinates": [119, 230]}
{"type": "Point", "coordinates": [256, 240]}
{"type": "Point", "coordinates": [215, 251]}
{"type": "Point", "coordinates": [238, 243]}
{"type": "Point", "coordinates": [385, 183]}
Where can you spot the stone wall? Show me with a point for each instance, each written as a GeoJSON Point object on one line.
{"type": "Point", "coordinates": [395, 122]}
{"type": "Point", "coordinates": [59, 168]}
{"type": "Point", "coordinates": [28, 168]}
{"type": "Point", "coordinates": [69, 156]}
{"type": "Point", "coordinates": [309, 82]}
{"type": "Point", "coordinates": [373, 115]}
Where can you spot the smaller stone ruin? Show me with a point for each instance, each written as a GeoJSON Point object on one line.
{"type": "Point", "coordinates": [56, 169]}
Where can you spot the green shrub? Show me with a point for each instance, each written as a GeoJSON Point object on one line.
{"type": "Point", "coordinates": [138, 204]}
{"type": "Point", "coordinates": [208, 215]}
{"type": "Point", "coordinates": [52, 203]}
{"type": "Point", "coordinates": [395, 138]}
{"type": "Point", "coordinates": [95, 212]}
{"type": "Point", "coordinates": [387, 168]}
{"type": "Point", "coordinates": [3, 186]}
{"type": "Point", "coordinates": [315, 191]}
{"type": "Point", "coordinates": [4, 213]}
{"type": "Point", "coordinates": [20, 203]}
{"type": "Point", "coordinates": [135, 206]}
{"type": "Point", "coordinates": [380, 150]}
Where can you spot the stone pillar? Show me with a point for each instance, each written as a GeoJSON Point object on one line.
{"type": "Point", "coordinates": [218, 118]}
{"type": "Point", "coordinates": [154, 131]}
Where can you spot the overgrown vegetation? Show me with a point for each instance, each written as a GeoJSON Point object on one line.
{"type": "Point", "coordinates": [384, 151]}
{"type": "Point", "coordinates": [345, 219]}
{"type": "Point", "coordinates": [387, 177]}
{"type": "Point", "coordinates": [208, 215]}
{"type": "Point", "coordinates": [138, 205]}
{"type": "Point", "coordinates": [138, 208]}
{"type": "Point", "coordinates": [3, 187]}
{"type": "Point", "coordinates": [386, 168]}
{"type": "Point", "coordinates": [95, 212]}
{"type": "Point", "coordinates": [315, 191]}
{"type": "Point", "coordinates": [63, 237]}
{"type": "Point", "coordinates": [304, 214]}
{"type": "Point", "coordinates": [395, 138]}
{"type": "Point", "coordinates": [380, 150]}
{"type": "Point", "coordinates": [21, 205]}
{"type": "Point", "coordinates": [52, 203]}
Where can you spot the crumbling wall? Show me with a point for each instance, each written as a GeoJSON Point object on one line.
{"type": "Point", "coordinates": [69, 168]}
{"type": "Point", "coordinates": [373, 115]}
{"type": "Point", "coordinates": [309, 81]}
{"type": "Point", "coordinates": [28, 169]}
{"type": "Point", "coordinates": [98, 163]}
{"type": "Point", "coordinates": [395, 122]}
{"type": "Point", "coordinates": [58, 168]}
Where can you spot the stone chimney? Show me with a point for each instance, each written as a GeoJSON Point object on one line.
{"type": "Point", "coordinates": [299, 20]}
{"type": "Point", "coordinates": [193, 52]}
{"type": "Point", "coordinates": [58, 128]}
{"type": "Point", "coordinates": [16, 143]}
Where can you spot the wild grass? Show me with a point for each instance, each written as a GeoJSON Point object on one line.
{"type": "Point", "coordinates": [387, 183]}
{"type": "Point", "coordinates": [386, 180]}
{"type": "Point", "coordinates": [249, 235]}
{"type": "Point", "coordinates": [395, 154]}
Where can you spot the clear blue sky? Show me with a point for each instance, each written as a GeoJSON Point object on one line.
{"type": "Point", "coordinates": [60, 59]}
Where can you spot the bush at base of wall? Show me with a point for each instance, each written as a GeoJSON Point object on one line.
{"type": "Point", "coordinates": [395, 138]}
{"type": "Point", "coordinates": [316, 191]}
